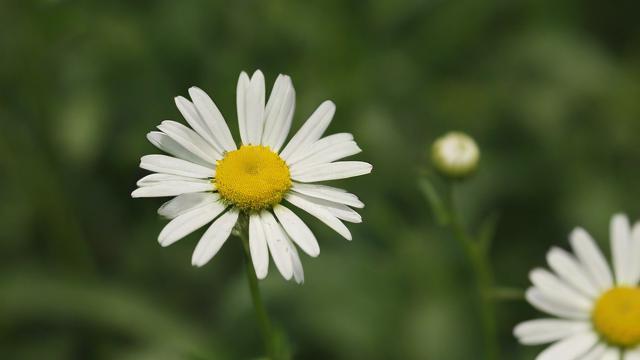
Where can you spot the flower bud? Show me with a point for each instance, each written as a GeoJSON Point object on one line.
{"type": "Point", "coordinates": [455, 155]}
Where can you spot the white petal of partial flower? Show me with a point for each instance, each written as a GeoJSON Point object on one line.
{"type": "Point", "coordinates": [543, 331]}
{"type": "Point", "coordinates": [277, 242]}
{"type": "Point", "coordinates": [571, 348]}
{"type": "Point", "coordinates": [212, 118]}
{"type": "Point", "coordinates": [185, 202]}
{"type": "Point", "coordinates": [591, 258]}
{"type": "Point", "coordinates": [298, 270]}
{"type": "Point", "coordinates": [311, 206]}
{"type": "Point", "coordinates": [170, 165]}
{"type": "Point", "coordinates": [279, 113]}
{"type": "Point", "coordinates": [332, 171]}
{"type": "Point", "coordinates": [214, 238]}
{"type": "Point", "coordinates": [332, 154]}
{"type": "Point", "coordinates": [197, 122]}
{"type": "Point", "coordinates": [311, 130]}
{"type": "Point", "coordinates": [556, 290]}
{"type": "Point", "coordinates": [544, 304]}
{"type": "Point", "coordinates": [258, 246]}
{"type": "Point", "coordinates": [172, 188]}
{"type": "Point", "coordinates": [621, 249]}
{"type": "Point", "coordinates": [571, 271]}
{"type": "Point", "coordinates": [163, 142]}
{"type": "Point", "coordinates": [157, 178]}
{"type": "Point", "coordinates": [328, 193]}
{"type": "Point", "coordinates": [189, 222]}
{"type": "Point", "coordinates": [250, 103]}
{"type": "Point", "coordinates": [320, 145]}
{"type": "Point", "coordinates": [611, 354]}
{"type": "Point", "coordinates": [191, 141]}
{"type": "Point", "coordinates": [297, 230]}
{"type": "Point", "coordinates": [596, 352]}
{"type": "Point", "coordinates": [632, 354]}
{"type": "Point", "coordinates": [635, 253]}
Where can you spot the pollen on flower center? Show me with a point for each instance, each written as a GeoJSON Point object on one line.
{"type": "Point", "coordinates": [616, 316]}
{"type": "Point", "coordinates": [252, 178]}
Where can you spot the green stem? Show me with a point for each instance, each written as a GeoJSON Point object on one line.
{"type": "Point", "coordinates": [481, 268]}
{"type": "Point", "coordinates": [261, 312]}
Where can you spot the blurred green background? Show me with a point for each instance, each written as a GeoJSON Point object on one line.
{"type": "Point", "coordinates": [550, 89]}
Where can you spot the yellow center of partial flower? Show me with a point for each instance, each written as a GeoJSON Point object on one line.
{"type": "Point", "coordinates": [252, 178]}
{"type": "Point", "coordinates": [616, 316]}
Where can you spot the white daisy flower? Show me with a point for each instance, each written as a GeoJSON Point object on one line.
{"type": "Point", "coordinates": [596, 311]}
{"type": "Point", "coordinates": [214, 180]}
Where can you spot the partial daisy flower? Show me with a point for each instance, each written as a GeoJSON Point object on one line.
{"type": "Point", "coordinates": [214, 180]}
{"type": "Point", "coordinates": [596, 311]}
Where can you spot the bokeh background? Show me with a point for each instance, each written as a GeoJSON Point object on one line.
{"type": "Point", "coordinates": [550, 89]}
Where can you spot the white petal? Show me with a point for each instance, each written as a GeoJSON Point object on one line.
{"type": "Point", "coordinates": [311, 206]}
{"type": "Point", "coordinates": [312, 129]}
{"type": "Point", "coordinates": [212, 118]}
{"type": "Point", "coordinates": [328, 193]}
{"type": "Point", "coordinates": [571, 271]}
{"type": "Point", "coordinates": [185, 202]}
{"type": "Point", "coordinates": [189, 222]}
{"type": "Point", "coordinates": [596, 352]}
{"type": "Point", "coordinates": [214, 238]}
{"type": "Point", "coordinates": [277, 242]}
{"type": "Point", "coordinates": [258, 246]}
{"type": "Point", "coordinates": [170, 165]}
{"type": "Point", "coordinates": [192, 116]}
{"type": "Point", "coordinates": [632, 354]}
{"type": "Point", "coordinates": [163, 142]}
{"type": "Point", "coordinates": [635, 253]}
{"type": "Point", "coordinates": [279, 113]}
{"type": "Point", "coordinates": [321, 145]}
{"type": "Point", "coordinates": [241, 98]}
{"type": "Point", "coordinates": [621, 249]}
{"type": "Point", "coordinates": [191, 141]}
{"type": "Point", "coordinates": [544, 304]}
{"type": "Point", "coordinates": [342, 212]}
{"type": "Point", "coordinates": [591, 258]}
{"type": "Point", "coordinates": [172, 188]}
{"type": "Point", "coordinates": [553, 288]}
{"type": "Point", "coordinates": [571, 348]}
{"type": "Point", "coordinates": [543, 331]}
{"type": "Point", "coordinates": [611, 354]}
{"type": "Point", "coordinates": [324, 157]}
{"type": "Point", "coordinates": [250, 103]}
{"type": "Point", "coordinates": [332, 171]}
{"type": "Point", "coordinates": [297, 230]}
{"type": "Point", "coordinates": [158, 178]}
{"type": "Point", "coordinates": [298, 270]}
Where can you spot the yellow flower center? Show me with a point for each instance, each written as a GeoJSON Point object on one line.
{"type": "Point", "coordinates": [616, 316]}
{"type": "Point", "coordinates": [252, 178]}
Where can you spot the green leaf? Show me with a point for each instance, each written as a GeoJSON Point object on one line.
{"type": "Point", "coordinates": [507, 294]}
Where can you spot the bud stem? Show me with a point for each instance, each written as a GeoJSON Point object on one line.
{"type": "Point", "coordinates": [481, 268]}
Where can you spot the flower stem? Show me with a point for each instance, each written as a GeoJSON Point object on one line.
{"type": "Point", "coordinates": [481, 267]}
{"type": "Point", "coordinates": [261, 312]}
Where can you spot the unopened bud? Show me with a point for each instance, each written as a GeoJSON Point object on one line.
{"type": "Point", "coordinates": [455, 155]}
